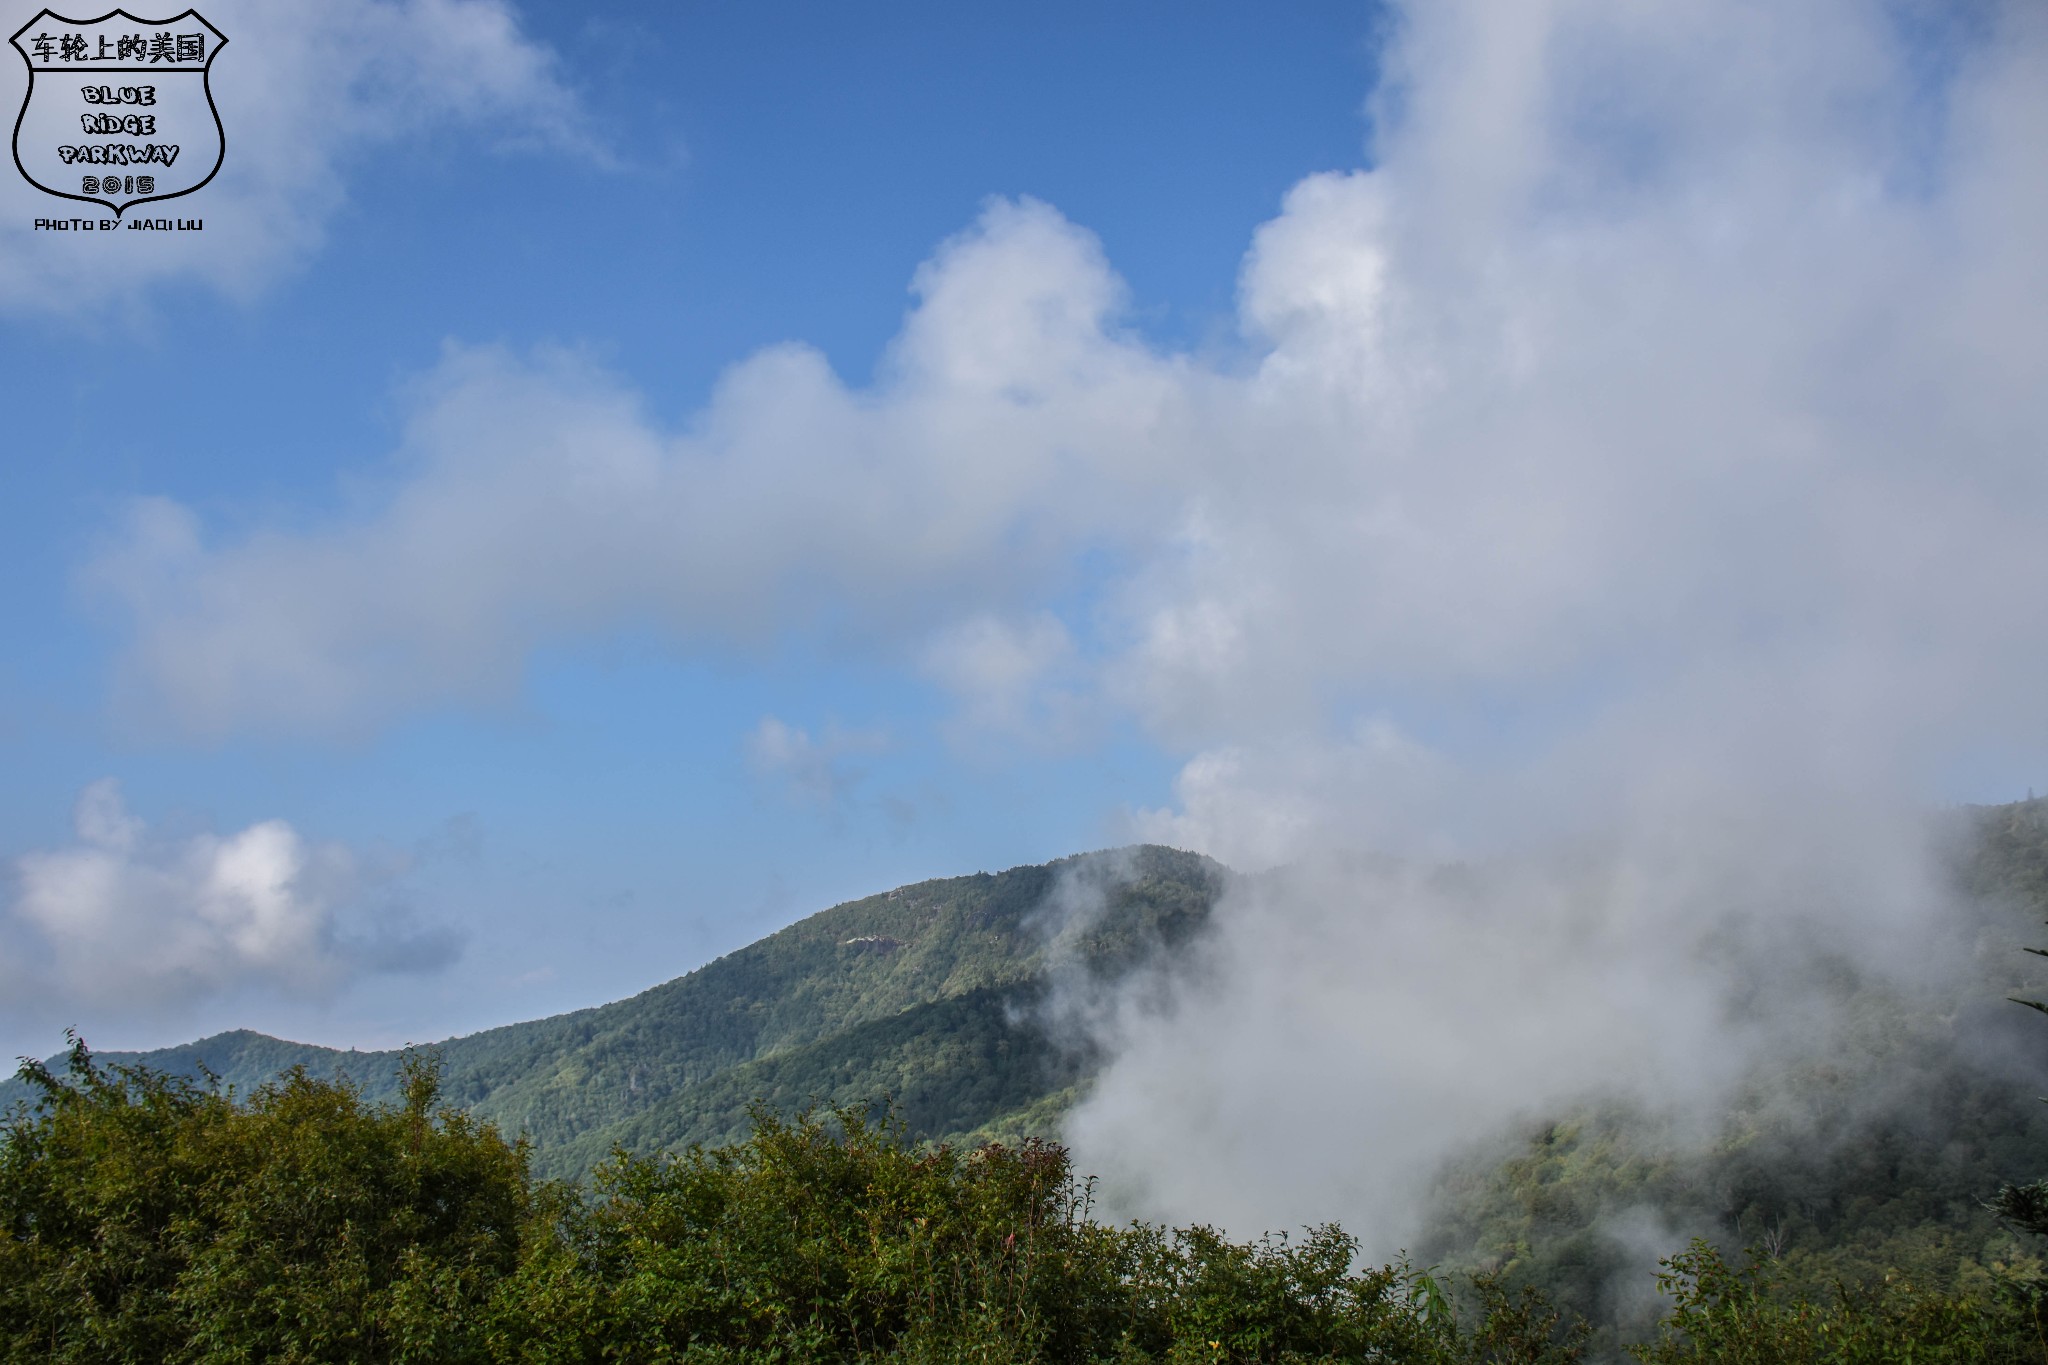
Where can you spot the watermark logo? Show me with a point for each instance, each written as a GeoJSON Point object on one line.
{"type": "Point", "coordinates": [118, 109]}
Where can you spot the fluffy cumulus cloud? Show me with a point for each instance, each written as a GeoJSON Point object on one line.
{"type": "Point", "coordinates": [533, 500]}
{"type": "Point", "coordinates": [1651, 437]}
{"type": "Point", "coordinates": [1662, 360]}
{"type": "Point", "coordinates": [1668, 425]}
{"type": "Point", "coordinates": [127, 925]}
{"type": "Point", "coordinates": [303, 92]}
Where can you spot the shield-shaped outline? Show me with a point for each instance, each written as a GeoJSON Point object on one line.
{"type": "Point", "coordinates": [205, 74]}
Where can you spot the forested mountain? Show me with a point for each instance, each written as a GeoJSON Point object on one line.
{"type": "Point", "coordinates": [1867, 1158]}
{"type": "Point", "coordinates": [924, 995]}
{"type": "Point", "coordinates": [1871, 1155]}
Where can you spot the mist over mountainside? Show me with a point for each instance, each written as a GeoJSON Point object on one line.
{"type": "Point", "coordinates": [1867, 1155]}
{"type": "Point", "coordinates": [978, 1005]}
{"type": "Point", "coordinates": [926, 994]}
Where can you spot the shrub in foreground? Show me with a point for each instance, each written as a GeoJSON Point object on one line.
{"type": "Point", "coordinates": [1748, 1317]}
{"type": "Point", "coordinates": [812, 1241]}
{"type": "Point", "coordinates": [147, 1218]}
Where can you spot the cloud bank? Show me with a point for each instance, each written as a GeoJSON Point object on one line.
{"type": "Point", "coordinates": [126, 925]}
{"type": "Point", "coordinates": [1645, 450]}
{"type": "Point", "coordinates": [1632, 379]}
{"type": "Point", "coordinates": [532, 501]}
{"type": "Point", "coordinates": [304, 92]}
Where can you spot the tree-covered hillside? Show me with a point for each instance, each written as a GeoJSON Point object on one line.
{"type": "Point", "coordinates": [1864, 1159]}
{"type": "Point", "coordinates": [924, 994]}
{"type": "Point", "coordinates": [1867, 1154]}
{"type": "Point", "coordinates": [1870, 1153]}
{"type": "Point", "coordinates": [146, 1218]}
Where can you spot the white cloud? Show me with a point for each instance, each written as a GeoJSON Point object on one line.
{"type": "Point", "coordinates": [304, 93]}
{"type": "Point", "coordinates": [1256, 807]}
{"type": "Point", "coordinates": [816, 770]}
{"type": "Point", "coordinates": [1664, 454]}
{"type": "Point", "coordinates": [1352, 1024]}
{"type": "Point", "coordinates": [1016, 682]}
{"type": "Point", "coordinates": [1706, 377]}
{"type": "Point", "coordinates": [533, 500]}
{"type": "Point", "coordinates": [125, 926]}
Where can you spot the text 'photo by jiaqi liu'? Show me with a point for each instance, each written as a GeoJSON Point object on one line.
{"type": "Point", "coordinates": [119, 112]}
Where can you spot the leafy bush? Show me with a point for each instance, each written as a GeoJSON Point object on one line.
{"type": "Point", "coordinates": [840, 1241]}
{"type": "Point", "coordinates": [1744, 1317]}
{"type": "Point", "coordinates": [149, 1218]}
{"type": "Point", "coordinates": [145, 1218]}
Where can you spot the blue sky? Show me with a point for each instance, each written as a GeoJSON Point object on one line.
{"type": "Point", "coordinates": [753, 174]}
{"type": "Point", "coordinates": [611, 480]}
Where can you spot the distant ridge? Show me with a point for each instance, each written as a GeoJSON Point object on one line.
{"type": "Point", "coordinates": [1865, 1160]}
{"type": "Point", "coordinates": [923, 995]}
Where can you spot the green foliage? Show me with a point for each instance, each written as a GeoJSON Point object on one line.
{"type": "Point", "coordinates": [2024, 1206]}
{"type": "Point", "coordinates": [1896, 1189]}
{"type": "Point", "coordinates": [947, 1068]}
{"type": "Point", "coordinates": [842, 1241]}
{"type": "Point", "coordinates": [148, 1218]}
{"type": "Point", "coordinates": [804, 1243]}
{"type": "Point", "coordinates": [1746, 1317]}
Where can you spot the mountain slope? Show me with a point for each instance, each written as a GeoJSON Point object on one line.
{"type": "Point", "coordinates": [1864, 1156]}
{"type": "Point", "coordinates": [924, 993]}
{"type": "Point", "coordinates": [1867, 1154]}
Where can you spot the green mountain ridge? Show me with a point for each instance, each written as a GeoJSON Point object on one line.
{"type": "Point", "coordinates": [925, 994]}
{"type": "Point", "coordinates": [1869, 1155]}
